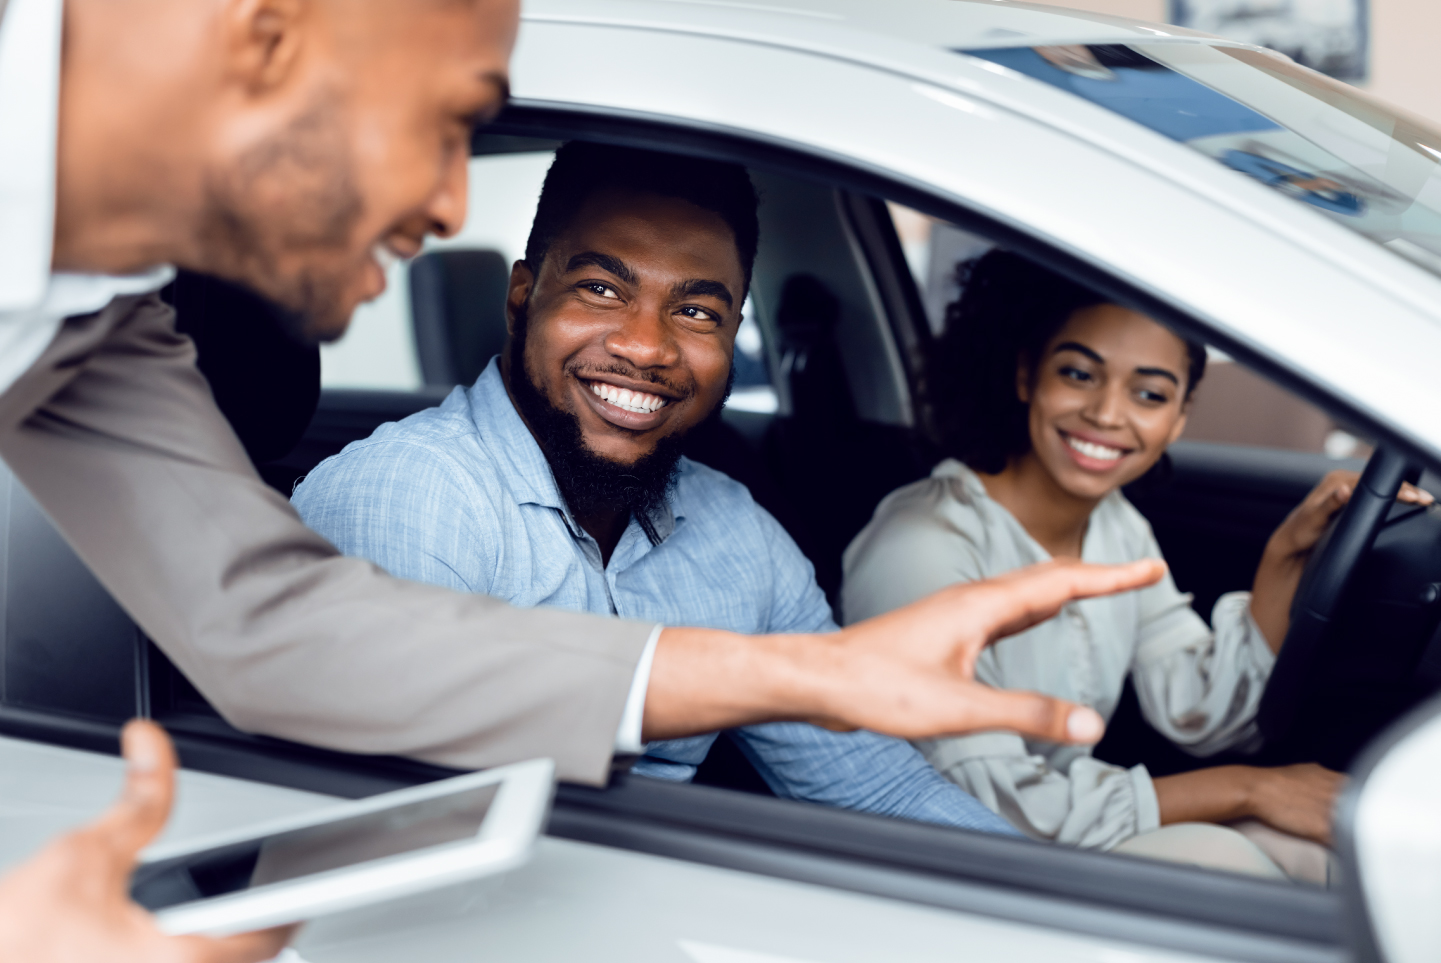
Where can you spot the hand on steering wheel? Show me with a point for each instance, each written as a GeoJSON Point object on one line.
{"type": "Point", "coordinates": [1289, 549]}
{"type": "Point", "coordinates": [1298, 534]}
{"type": "Point", "coordinates": [1330, 560]}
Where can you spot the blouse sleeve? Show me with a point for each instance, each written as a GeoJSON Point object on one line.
{"type": "Point", "coordinates": [1093, 805]}
{"type": "Point", "coordinates": [1198, 686]}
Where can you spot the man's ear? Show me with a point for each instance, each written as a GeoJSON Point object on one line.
{"type": "Point", "coordinates": [264, 39]}
{"type": "Point", "coordinates": [522, 281]}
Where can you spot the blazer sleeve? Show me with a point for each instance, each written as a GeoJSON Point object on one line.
{"type": "Point", "coordinates": [115, 433]}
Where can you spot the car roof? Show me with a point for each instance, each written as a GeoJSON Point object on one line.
{"type": "Point", "coordinates": [944, 24]}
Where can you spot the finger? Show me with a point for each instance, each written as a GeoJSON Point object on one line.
{"type": "Point", "coordinates": [241, 948]}
{"type": "Point", "coordinates": [1031, 714]}
{"type": "Point", "coordinates": [1018, 600]}
{"type": "Point", "coordinates": [140, 813]}
{"type": "Point", "coordinates": [1414, 496]}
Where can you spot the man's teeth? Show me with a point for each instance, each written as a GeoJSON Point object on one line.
{"type": "Point", "coordinates": [1093, 450]}
{"type": "Point", "coordinates": [637, 401]}
{"type": "Point", "coordinates": [384, 257]}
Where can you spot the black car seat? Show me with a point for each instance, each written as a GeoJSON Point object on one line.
{"type": "Point", "coordinates": [457, 308]}
{"type": "Point", "coordinates": [265, 380]}
{"type": "Point", "coordinates": [830, 464]}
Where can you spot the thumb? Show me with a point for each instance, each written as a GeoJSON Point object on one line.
{"type": "Point", "coordinates": [140, 813]}
{"type": "Point", "coordinates": [242, 948]}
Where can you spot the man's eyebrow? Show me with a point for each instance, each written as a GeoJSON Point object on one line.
{"type": "Point", "coordinates": [1081, 348]}
{"type": "Point", "coordinates": [1159, 373]}
{"type": "Point", "coordinates": [701, 288]}
{"type": "Point", "coordinates": [611, 265]}
{"type": "Point", "coordinates": [502, 84]}
{"type": "Point", "coordinates": [489, 113]}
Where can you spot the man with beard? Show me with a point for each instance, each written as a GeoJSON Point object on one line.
{"type": "Point", "coordinates": [290, 146]}
{"type": "Point", "coordinates": [557, 478]}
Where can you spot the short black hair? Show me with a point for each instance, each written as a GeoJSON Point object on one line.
{"type": "Point", "coordinates": [581, 170]}
{"type": "Point", "coordinates": [1009, 308]}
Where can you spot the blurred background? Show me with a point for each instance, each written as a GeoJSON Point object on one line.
{"type": "Point", "coordinates": [1395, 39]}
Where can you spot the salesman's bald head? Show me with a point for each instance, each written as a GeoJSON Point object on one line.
{"type": "Point", "coordinates": [278, 143]}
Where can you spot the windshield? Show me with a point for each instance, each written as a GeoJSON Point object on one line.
{"type": "Point", "coordinates": [1315, 140]}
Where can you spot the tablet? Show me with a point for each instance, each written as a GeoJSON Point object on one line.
{"type": "Point", "coordinates": [349, 855]}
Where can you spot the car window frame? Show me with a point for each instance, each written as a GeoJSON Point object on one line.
{"type": "Point", "coordinates": [1155, 904]}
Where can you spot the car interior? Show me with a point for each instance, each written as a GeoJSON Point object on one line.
{"type": "Point", "coordinates": [829, 415]}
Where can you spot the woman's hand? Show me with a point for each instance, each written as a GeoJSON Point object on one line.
{"type": "Point", "coordinates": [71, 901]}
{"type": "Point", "coordinates": [1294, 799]}
{"type": "Point", "coordinates": [1290, 546]}
{"type": "Point", "coordinates": [1297, 799]}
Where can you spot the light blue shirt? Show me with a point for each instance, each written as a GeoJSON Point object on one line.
{"type": "Point", "coordinates": [461, 495]}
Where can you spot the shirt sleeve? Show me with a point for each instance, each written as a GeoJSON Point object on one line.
{"type": "Point", "coordinates": [862, 771]}
{"type": "Point", "coordinates": [632, 720]}
{"type": "Point", "coordinates": [1198, 686]}
{"type": "Point", "coordinates": [1092, 804]}
{"type": "Point", "coordinates": [379, 501]}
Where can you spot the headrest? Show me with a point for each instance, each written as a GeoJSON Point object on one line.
{"type": "Point", "coordinates": [807, 308]}
{"type": "Point", "coordinates": [265, 382]}
{"type": "Point", "coordinates": [457, 307]}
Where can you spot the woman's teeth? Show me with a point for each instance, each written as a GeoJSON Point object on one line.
{"type": "Point", "coordinates": [1093, 450]}
{"type": "Point", "coordinates": [637, 401]}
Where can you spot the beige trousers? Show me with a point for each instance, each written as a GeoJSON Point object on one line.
{"type": "Point", "coordinates": [1247, 846]}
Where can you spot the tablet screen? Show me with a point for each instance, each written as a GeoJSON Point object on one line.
{"type": "Point", "coordinates": [314, 849]}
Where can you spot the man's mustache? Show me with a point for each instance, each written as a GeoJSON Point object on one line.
{"type": "Point", "coordinates": [675, 390]}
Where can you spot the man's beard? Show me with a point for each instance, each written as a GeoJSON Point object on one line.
{"type": "Point", "coordinates": [588, 482]}
{"type": "Point", "coordinates": [293, 198]}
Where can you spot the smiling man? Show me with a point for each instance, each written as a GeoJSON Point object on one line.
{"type": "Point", "coordinates": [557, 479]}
{"type": "Point", "coordinates": [292, 146]}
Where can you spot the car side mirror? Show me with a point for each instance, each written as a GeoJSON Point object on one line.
{"type": "Point", "coordinates": [1388, 832]}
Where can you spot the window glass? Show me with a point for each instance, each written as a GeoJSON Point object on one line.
{"type": "Point", "coordinates": [379, 350]}
{"type": "Point", "coordinates": [753, 389]}
{"type": "Point", "coordinates": [1232, 405]}
{"type": "Point", "coordinates": [1325, 144]}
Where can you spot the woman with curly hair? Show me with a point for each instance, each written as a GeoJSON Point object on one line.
{"type": "Point", "coordinates": [1052, 399]}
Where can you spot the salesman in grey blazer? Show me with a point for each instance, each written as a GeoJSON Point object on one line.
{"type": "Point", "coordinates": [290, 145]}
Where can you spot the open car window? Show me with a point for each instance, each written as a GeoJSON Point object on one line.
{"type": "Point", "coordinates": [1232, 406]}
{"type": "Point", "coordinates": [850, 241]}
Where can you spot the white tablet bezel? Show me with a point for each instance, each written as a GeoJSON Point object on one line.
{"type": "Point", "coordinates": [506, 838]}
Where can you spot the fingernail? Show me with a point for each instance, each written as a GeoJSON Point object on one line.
{"type": "Point", "coordinates": [1084, 725]}
{"type": "Point", "coordinates": [143, 758]}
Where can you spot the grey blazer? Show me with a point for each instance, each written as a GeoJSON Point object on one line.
{"type": "Point", "coordinates": [115, 433]}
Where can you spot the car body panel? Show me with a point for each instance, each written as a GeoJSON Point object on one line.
{"type": "Point", "coordinates": [574, 901]}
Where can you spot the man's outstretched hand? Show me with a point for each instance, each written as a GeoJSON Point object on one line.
{"type": "Point", "coordinates": [71, 903]}
{"type": "Point", "coordinates": [909, 673]}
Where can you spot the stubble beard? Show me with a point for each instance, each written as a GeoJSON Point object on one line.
{"type": "Point", "coordinates": [291, 199]}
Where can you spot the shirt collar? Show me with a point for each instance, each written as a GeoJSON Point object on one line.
{"type": "Point", "coordinates": [30, 37]}
{"type": "Point", "coordinates": [530, 477]}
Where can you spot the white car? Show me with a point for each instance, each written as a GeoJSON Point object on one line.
{"type": "Point", "coordinates": [1284, 219]}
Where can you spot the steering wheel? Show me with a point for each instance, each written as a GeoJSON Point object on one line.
{"type": "Point", "coordinates": [1323, 584]}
